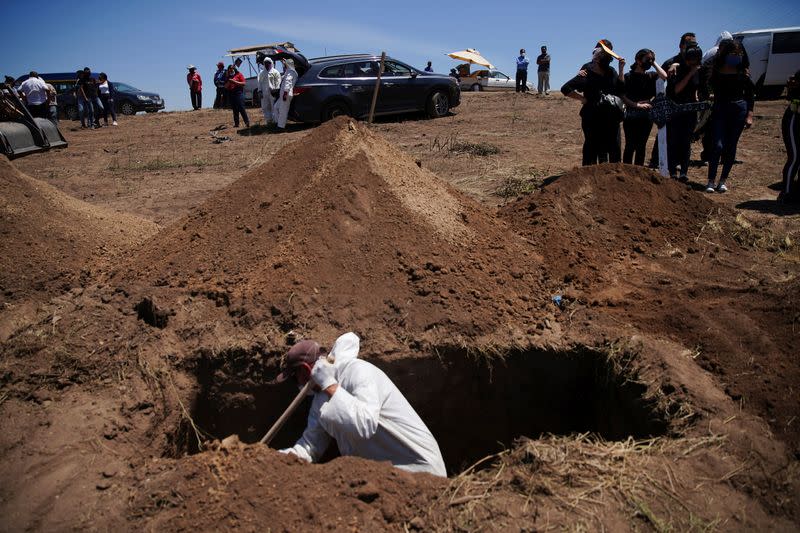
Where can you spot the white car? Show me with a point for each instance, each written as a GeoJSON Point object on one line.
{"type": "Point", "coordinates": [490, 80]}
{"type": "Point", "coordinates": [774, 56]}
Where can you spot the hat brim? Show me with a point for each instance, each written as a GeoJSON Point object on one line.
{"type": "Point", "coordinates": [608, 50]}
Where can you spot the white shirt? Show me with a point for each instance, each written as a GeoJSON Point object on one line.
{"type": "Point", "coordinates": [103, 87]}
{"type": "Point", "coordinates": [35, 91]}
{"type": "Point", "coordinates": [369, 417]}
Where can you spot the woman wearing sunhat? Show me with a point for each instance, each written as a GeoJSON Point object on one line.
{"type": "Point", "coordinates": [598, 87]}
{"type": "Point", "coordinates": [195, 87]}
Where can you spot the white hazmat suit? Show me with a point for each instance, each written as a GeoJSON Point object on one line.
{"type": "Point", "coordinates": [711, 53]}
{"type": "Point", "coordinates": [269, 79]}
{"type": "Point", "coordinates": [288, 81]}
{"type": "Point", "coordinates": [369, 417]}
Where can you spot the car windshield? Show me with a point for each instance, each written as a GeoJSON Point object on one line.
{"type": "Point", "coordinates": [124, 87]}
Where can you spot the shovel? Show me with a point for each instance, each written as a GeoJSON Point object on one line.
{"type": "Point", "coordinates": [292, 406]}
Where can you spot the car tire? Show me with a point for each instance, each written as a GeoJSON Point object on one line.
{"type": "Point", "coordinates": [127, 108]}
{"type": "Point", "coordinates": [438, 104]}
{"type": "Point", "coordinates": [476, 87]}
{"type": "Point", "coordinates": [71, 112]}
{"type": "Point", "coordinates": [335, 109]}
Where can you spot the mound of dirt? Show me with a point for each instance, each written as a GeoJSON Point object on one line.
{"type": "Point", "coordinates": [51, 240]}
{"type": "Point", "coordinates": [596, 215]}
{"type": "Point", "coordinates": [254, 488]}
{"type": "Point", "coordinates": [342, 230]}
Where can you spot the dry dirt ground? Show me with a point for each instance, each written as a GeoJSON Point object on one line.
{"type": "Point", "coordinates": [594, 348]}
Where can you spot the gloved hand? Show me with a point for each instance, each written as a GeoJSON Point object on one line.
{"type": "Point", "coordinates": [323, 373]}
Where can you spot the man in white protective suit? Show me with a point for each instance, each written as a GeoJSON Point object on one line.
{"type": "Point", "coordinates": [269, 81]}
{"type": "Point", "coordinates": [284, 102]}
{"type": "Point", "coordinates": [359, 406]}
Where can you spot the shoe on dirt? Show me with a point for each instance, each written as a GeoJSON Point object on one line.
{"type": "Point", "coordinates": [114, 123]}
{"type": "Point", "coordinates": [722, 188]}
{"type": "Point", "coordinates": [710, 187]}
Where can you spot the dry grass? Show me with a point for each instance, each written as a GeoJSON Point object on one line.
{"type": "Point", "coordinates": [579, 480]}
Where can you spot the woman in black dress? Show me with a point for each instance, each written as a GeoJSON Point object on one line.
{"type": "Point", "coordinates": [640, 89]}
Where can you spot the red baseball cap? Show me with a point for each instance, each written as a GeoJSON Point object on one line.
{"type": "Point", "coordinates": [307, 351]}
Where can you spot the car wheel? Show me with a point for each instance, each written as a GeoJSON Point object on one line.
{"type": "Point", "coordinates": [476, 87]}
{"type": "Point", "coordinates": [126, 108]}
{"type": "Point", "coordinates": [71, 112]}
{"type": "Point", "coordinates": [335, 109]}
{"type": "Point", "coordinates": [438, 105]}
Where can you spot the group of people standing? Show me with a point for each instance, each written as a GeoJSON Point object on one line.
{"type": "Point", "coordinates": [543, 71]}
{"type": "Point", "coordinates": [610, 98]}
{"type": "Point", "coordinates": [274, 89]}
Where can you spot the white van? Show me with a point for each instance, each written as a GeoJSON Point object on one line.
{"type": "Point", "coordinates": [774, 56]}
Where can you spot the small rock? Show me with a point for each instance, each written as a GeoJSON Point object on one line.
{"type": "Point", "coordinates": [103, 485]}
{"type": "Point", "coordinates": [417, 524]}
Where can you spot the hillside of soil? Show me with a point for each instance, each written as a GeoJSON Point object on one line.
{"type": "Point", "coordinates": [53, 242]}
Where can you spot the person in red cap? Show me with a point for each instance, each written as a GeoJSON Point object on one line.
{"type": "Point", "coordinates": [219, 82]}
{"type": "Point", "coordinates": [359, 406]}
{"type": "Point", "coordinates": [195, 87]}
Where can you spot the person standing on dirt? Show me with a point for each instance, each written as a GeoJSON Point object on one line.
{"type": "Point", "coordinates": [356, 404]}
{"type": "Point", "coordinates": [106, 90]}
{"type": "Point", "coordinates": [543, 71]}
{"type": "Point", "coordinates": [235, 88]}
{"type": "Point", "coordinates": [790, 128]}
{"type": "Point", "coordinates": [284, 103]}
{"type": "Point", "coordinates": [429, 67]}
{"type": "Point", "coordinates": [600, 116]}
{"type": "Point", "coordinates": [52, 103]}
{"type": "Point", "coordinates": [732, 112]}
{"type": "Point", "coordinates": [522, 71]}
{"type": "Point", "coordinates": [34, 90]}
{"type": "Point", "coordinates": [195, 87]}
{"type": "Point", "coordinates": [87, 87]}
{"type": "Point", "coordinates": [640, 89]}
{"type": "Point", "coordinates": [269, 83]}
{"type": "Point", "coordinates": [682, 88]}
{"type": "Point", "coordinates": [219, 83]}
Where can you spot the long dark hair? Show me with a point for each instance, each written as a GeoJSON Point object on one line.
{"type": "Point", "coordinates": [726, 48]}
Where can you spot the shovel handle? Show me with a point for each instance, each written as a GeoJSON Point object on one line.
{"type": "Point", "coordinates": [287, 413]}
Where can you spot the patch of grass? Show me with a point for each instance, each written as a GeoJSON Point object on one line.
{"type": "Point", "coordinates": [520, 183]}
{"type": "Point", "coordinates": [479, 149]}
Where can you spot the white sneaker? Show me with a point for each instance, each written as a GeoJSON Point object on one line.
{"type": "Point", "coordinates": [114, 123]}
{"type": "Point", "coordinates": [710, 187]}
{"type": "Point", "coordinates": [722, 188]}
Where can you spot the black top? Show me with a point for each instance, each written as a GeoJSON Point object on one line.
{"type": "Point", "coordinates": [594, 85]}
{"type": "Point", "coordinates": [544, 66]}
{"type": "Point", "coordinates": [89, 87]}
{"type": "Point", "coordinates": [689, 93]}
{"type": "Point", "coordinates": [732, 88]}
{"type": "Point", "coordinates": [640, 86]}
{"type": "Point", "coordinates": [674, 59]}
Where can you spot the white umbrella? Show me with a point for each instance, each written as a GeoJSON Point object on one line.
{"type": "Point", "coordinates": [470, 55]}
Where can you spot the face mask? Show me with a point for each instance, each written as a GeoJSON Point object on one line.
{"type": "Point", "coordinates": [647, 64]}
{"type": "Point", "coordinates": [733, 61]}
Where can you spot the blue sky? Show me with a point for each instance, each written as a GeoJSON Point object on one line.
{"type": "Point", "coordinates": [148, 43]}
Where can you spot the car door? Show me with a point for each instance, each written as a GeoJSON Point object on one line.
{"type": "Point", "coordinates": [784, 59]}
{"type": "Point", "coordinates": [758, 47]}
{"type": "Point", "coordinates": [401, 87]}
{"type": "Point", "coordinates": [359, 84]}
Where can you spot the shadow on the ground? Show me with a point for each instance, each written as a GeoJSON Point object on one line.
{"type": "Point", "coordinates": [770, 206]}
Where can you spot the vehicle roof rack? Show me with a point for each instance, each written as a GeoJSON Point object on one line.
{"type": "Point", "coordinates": [342, 56]}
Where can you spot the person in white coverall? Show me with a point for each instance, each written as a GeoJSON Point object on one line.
{"type": "Point", "coordinates": [269, 82]}
{"type": "Point", "coordinates": [359, 406]}
{"type": "Point", "coordinates": [288, 81]}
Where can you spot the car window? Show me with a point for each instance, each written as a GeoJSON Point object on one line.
{"type": "Point", "coordinates": [390, 68]}
{"type": "Point", "coordinates": [361, 69]}
{"type": "Point", "coordinates": [786, 42]}
{"type": "Point", "coordinates": [336, 71]}
{"type": "Point", "coordinates": [118, 85]}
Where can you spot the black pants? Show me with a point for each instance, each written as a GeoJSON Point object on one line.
{"type": "Point", "coordinates": [727, 124]}
{"type": "Point", "coordinates": [679, 141]}
{"type": "Point", "coordinates": [790, 127]}
{"type": "Point", "coordinates": [38, 110]}
{"type": "Point", "coordinates": [108, 108]}
{"type": "Point", "coordinates": [197, 99]}
{"type": "Point", "coordinates": [601, 142]}
{"type": "Point", "coordinates": [637, 131]}
{"type": "Point", "coordinates": [522, 81]}
{"type": "Point", "coordinates": [237, 105]}
{"type": "Point", "coordinates": [221, 100]}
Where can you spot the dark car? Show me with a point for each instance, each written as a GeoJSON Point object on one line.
{"type": "Point", "coordinates": [128, 100]}
{"type": "Point", "coordinates": [343, 85]}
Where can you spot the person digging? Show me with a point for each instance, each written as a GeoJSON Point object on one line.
{"type": "Point", "coordinates": [355, 403]}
